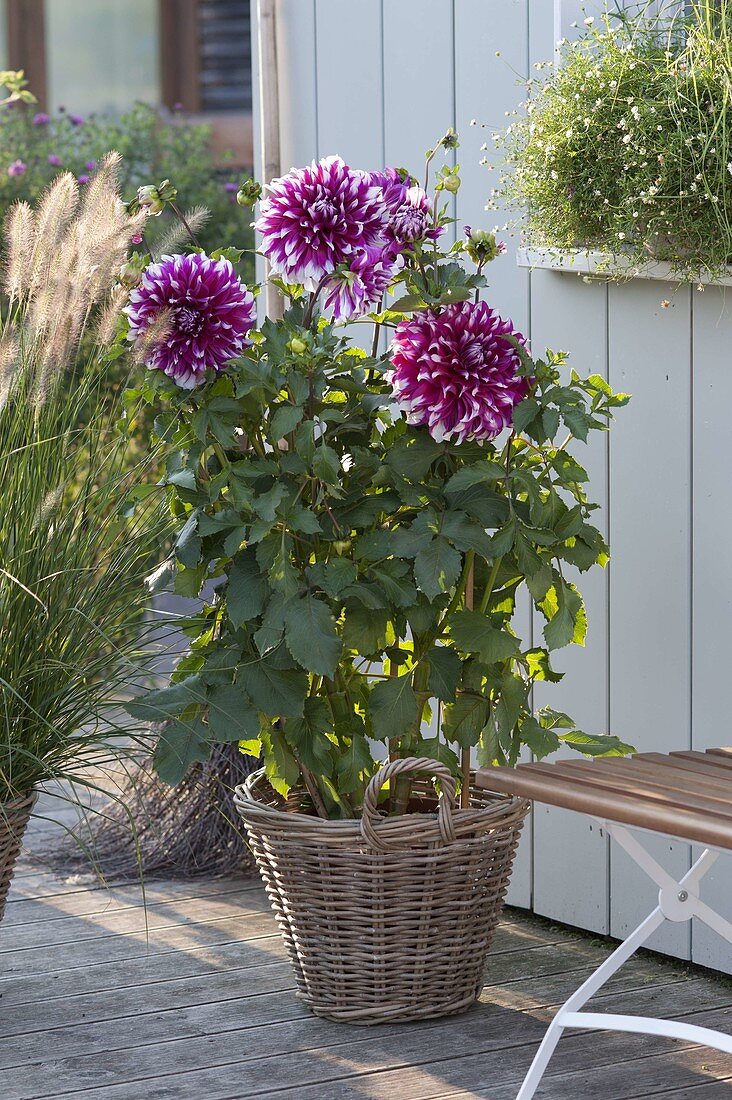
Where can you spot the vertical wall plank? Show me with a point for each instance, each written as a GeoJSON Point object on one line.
{"type": "Point", "coordinates": [712, 581]}
{"type": "Point", "coordinates": [565, 841]}
{"type": "Point", "coordinates": [297, 54]}
{"type": "Point", "coordinates": [570, 14]}
{"type": "Point", "coordinates": [650, 571]}
{"type": "Point", "coordinates": [418, 79]}
{"type": "Point", "coordinates": [486, 86]}
{"type": "Point", "coordinates": [491, 58]}
{"type": "Point", "coordinates": [350, 81]}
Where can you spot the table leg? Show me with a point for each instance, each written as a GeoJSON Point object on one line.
{"type": "Point", "coordinates": [677, 901]}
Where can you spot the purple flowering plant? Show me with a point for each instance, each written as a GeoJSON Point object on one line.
{"type": "Point", "coordinates": [364, 484]}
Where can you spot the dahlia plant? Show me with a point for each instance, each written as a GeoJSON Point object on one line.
{"type": "Point", "coordinates": [358, 521]}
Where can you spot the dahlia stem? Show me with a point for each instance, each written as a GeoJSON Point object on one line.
{"type": "Point", "coordinates": [377, 331]}
{"type": "Point", "coordinates": [490, 585]}
{"type": "Point", "coordinates": [182, 219]}
{"type": "Point", "coordinates": [308, 318]}
{"type": "Point", "coordinates": [312, 787]}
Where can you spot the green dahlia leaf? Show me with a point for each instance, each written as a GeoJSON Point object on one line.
{"type": "Point", "coordinates": [180, 744]}
{"type": "Point", "coordinates": [437, 567]}
{"type": "Point", "coordinates": [311, 635]}
{"type": "Point", "coordinates": [275, 692]}
{"type": "Point", "coordinates": [392, 706]}
{"type": "Point", "coordinates": [473, 633]}
{"type": "Point", "coordinates": [231, 714]}
{"type": "Point", "coordinates": [445, 670]}
{"type": "Point", "coordinates": [246, 591]}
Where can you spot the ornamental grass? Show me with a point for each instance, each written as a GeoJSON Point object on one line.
{"type": "Point", "coordinates": [80, 524]}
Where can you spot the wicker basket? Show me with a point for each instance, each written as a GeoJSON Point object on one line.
{"type": "Point", "coordinates": [14, 817]}
{"type": "Point", "coordinates": [386, 918]}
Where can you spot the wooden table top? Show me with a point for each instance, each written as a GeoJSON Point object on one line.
{"type": "Point", "coordinates": [681, 794]}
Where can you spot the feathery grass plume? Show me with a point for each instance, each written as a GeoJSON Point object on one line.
{"type": "Point", "coordinates": [104, 228]}
{"type": "Point", "coordinates": [78, 535]}
{"type": "Point", "coordinates": [9, 352]}
{"type": "Point", "coordinates": [55, 210]}
{"type": "Point", "coordinates": [78, 244]}
{"type": "Point", "coordinates": [152, 337]}
{"type": "Point", "coordinates": [179, 234]}
{"type": "Point", "coordinates": [109, 318]}
{"type": "Point", "coordinates": [19, 249]}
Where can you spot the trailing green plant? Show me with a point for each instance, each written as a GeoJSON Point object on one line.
{"type": "Point", "coordinates": [80, 524]}
{"type": "Point", "coordinates": [626, 146]}
{"type": "Point", "coordinates": [360, 524]}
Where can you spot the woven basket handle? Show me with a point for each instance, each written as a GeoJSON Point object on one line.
{"type": "Point", "coordinates": [397, 767]}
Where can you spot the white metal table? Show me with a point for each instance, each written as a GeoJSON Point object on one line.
{"type": "Point", "coordinates": [683, 795]}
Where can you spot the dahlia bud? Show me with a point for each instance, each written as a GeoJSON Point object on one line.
{"type": "Point", "coordinates": [482, 246]}
{"type": "Point", "coordinates": [449, 179]}
{"type": "Point", "coordinates": [249, 193]}
{"type": "Point", "coordinates": [342, 546]}
{"type": "Point", "coordinates": [130, 274]}
{"type": "Point", "coordinates": [450, 140]}
{"type": "Point", "coordinates": [148, 199]}
{"type": "Point", "coordinates": [153, 199]}
{"type": "Point", "coordinates": [297, 346]}
{"type": "Point", "coordinates": [167, 192]}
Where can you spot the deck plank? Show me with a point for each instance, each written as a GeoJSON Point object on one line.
{"type": "Point", "coordinates": [192, 995]}
{"type": "Point", "coordinates": [269, 1040]}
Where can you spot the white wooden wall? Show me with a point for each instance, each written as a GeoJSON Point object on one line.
{"type": "Point", "coordinates": [379, 81]}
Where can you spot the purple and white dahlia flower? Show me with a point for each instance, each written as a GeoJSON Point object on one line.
{"type": "Point", "coordinates": [357, 288]}
{"type": "Point", "coordinates": [456, 371]}
{"type": "Point", "coordinates": [204, 311]}
{"type": "Point", "coordinates": [410, 221]}
{"type": "Point", "coordinates": [409, 208]}
{"type": "Point", "coordinates": [315, 218]}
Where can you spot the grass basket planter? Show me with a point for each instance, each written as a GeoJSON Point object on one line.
{"type": "Point", "coordinates": [386, 918]}
{"type": "Point", "coordinates": [14, 818]}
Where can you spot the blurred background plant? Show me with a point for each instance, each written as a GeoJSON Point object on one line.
{"type": "Point", "coordinates": [626, 146]}
{"type": "Point", "coordinates": [35, 146]}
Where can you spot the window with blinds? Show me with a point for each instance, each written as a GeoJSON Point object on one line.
{"type": "Point", "coordinates": [225, 73]}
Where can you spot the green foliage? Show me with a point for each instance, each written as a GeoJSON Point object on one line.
{"type": "Point", "coordinates": [626, 146]}
{"type": "Point", "coordinates": [365, 573]}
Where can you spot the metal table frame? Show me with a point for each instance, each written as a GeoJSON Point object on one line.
{"type": "Point", "coordinates": [677, 902]}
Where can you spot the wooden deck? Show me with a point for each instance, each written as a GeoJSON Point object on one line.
{"type": "Point", "coordinates": [191, 998]}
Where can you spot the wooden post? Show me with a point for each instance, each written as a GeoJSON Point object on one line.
{"type": "Point", "coordinates": [180, 54]}
{"type": "Point", "coordinates": [269, 106]}
{"type": "Point", "coordinates": [26, 32]}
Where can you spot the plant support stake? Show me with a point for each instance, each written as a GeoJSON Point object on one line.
{"type": "Point", "coordinates": [465, 753]}
{"type": "Point", "coordinates": [269, 107]}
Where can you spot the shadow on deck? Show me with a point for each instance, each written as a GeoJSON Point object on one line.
{"type": "Point", "coordinates": [190, 997]}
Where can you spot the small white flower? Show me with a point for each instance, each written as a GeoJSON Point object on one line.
{"type": "Point", "coordinates": [589, 20]}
